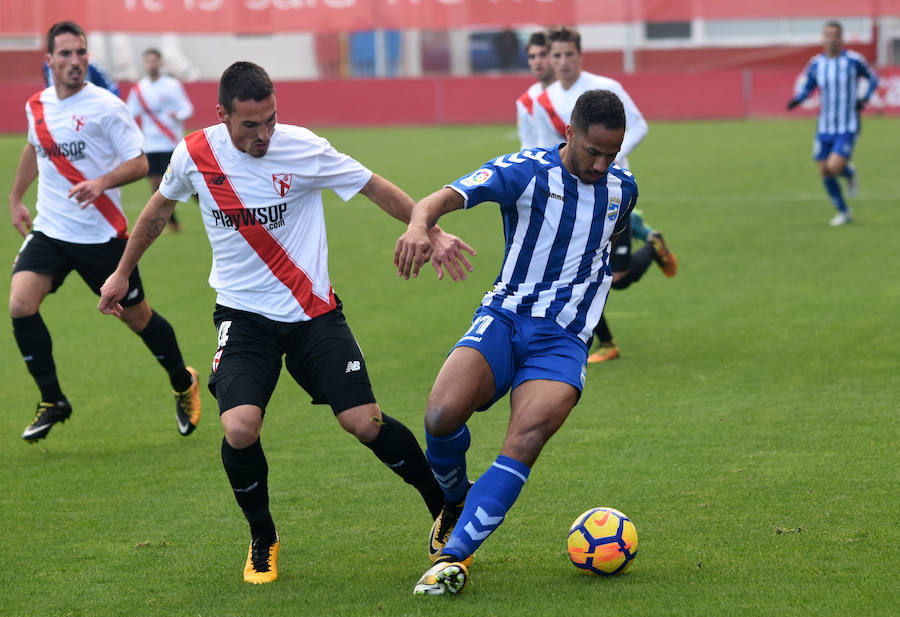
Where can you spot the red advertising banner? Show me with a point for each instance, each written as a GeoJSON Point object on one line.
{"type": "Point", "coordinates": [449, 100]}
{"type": "Point", "coordinates": [266, 16]}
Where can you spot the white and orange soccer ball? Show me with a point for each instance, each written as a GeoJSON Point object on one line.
{"type": "Point", "coordinates": [602, 541]}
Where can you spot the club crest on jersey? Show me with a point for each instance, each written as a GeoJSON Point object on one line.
{"type": "Point", "coordinates": [282, 183]}
{"type": "Point", "coordinates": [479, 177]}
{"type": "Point", "coordinates": [612, 210]}
{"type": "Point", "coordinates": [78, 122]}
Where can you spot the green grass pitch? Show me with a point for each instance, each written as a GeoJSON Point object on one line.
{"type": "Point", "coordinates": [750, 428]}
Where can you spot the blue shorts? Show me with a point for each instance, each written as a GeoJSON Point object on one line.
{"type": "Point", "coordinates": [521, 347]}
{"type": "Point", "coordinates": [840, 143]}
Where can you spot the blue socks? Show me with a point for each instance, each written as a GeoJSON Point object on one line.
{"type": "Point", "coordinates": [833, 188]}
{"type": "Point", "coordinates": [487, 503]}
{"type": "Point", "coordinates": [447, 457]}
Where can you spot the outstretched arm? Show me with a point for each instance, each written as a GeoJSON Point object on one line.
{"type": "Point", "coordinates": [415, 247]}
{"type": "Point", "coordinates": [26, 172]}
{"type": "Point", "coordinates": [146, 230]}
{"type": "Point", "coordinates": [446, 249]}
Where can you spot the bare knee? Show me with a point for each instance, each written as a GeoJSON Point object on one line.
{"type": "Point", "coordinates": [443, 419]}
{"type": "Point", "coordinates": [242, 425]}
{"type": "Point", "coordinates": [26, 292]}
{"type": "Point", "coordinates": [363, 422]}
{"type": "Point", "coordinates": [19, 307]}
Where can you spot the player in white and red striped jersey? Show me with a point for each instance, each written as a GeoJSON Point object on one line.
{"type": "Point", "coordinates": [160, 105]}
{"type": "Point", "coordinates": [260, 186]}
{"type": "Point", "coordinates": [536, 50]}
{"type": "Point", "coordinates": [82, 146]}
{"type": "Point", "coordinates": [552, 113]}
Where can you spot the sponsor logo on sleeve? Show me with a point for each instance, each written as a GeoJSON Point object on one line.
{"type": "Point", "coordinates": [169, 175]}
{"type": "Point", "coordinates": [479, 177]}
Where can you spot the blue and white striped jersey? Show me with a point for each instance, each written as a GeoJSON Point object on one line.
{"type": "Point", "coordinates": [838, 82]}
{"type": "Point", "coordinates": [557, 229]}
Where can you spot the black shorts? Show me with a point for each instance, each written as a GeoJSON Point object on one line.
{"type": "Point", "coordinates": [320, 354]}
{"type": "Point", "coordinates": [93, 262]}
{"type": "Point", "coordinates": [158, 162]}
{"type": "Point", "coordinates": [620, 260]}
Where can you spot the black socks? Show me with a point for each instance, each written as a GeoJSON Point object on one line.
{"type": "Point", "coordinates": [160, 339]}
{"type": "Point", "coordinates": [396, 447]}
{"type": "Point", "coordinates": [248, 474]}
{"type": "Point", "coordinates": [34, 342]}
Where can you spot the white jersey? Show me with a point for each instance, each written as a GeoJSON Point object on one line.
{"type": "Point", "coordinates": [81, 137]}
{"type": "Point", "coordinates": [161, 107]}
{"type": "Point", "coordinates": [264, 216]}
{"type": "Point", "coordinates": [550, 130]}
{"type": "Point", "coordinates": [525, 115]}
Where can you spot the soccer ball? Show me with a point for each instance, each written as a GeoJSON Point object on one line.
{"type": "Point", "coordinates": [602, 541]}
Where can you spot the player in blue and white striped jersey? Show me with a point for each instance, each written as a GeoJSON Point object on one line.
{"type": "Point", "coordinates": [836, 73]}
{"type": "Point", "coordinates": [562, 209]}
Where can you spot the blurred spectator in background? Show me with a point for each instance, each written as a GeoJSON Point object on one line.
{"type": "Point", "coordinates": [506, 46]}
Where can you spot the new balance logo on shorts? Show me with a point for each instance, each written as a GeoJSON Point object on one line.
{"type": "Point", "coordinates": [353, 365]}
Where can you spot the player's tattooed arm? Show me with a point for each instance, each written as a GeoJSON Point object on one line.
{"type": "Point", "coordinates": [155, 227]}
{"type": "Point", "coordinates": [147, 228]}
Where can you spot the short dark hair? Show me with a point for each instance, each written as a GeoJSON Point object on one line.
{"type": "Point", "coordinates": [244, 81]}
{"type": "Point", "coordinates": [834, 24]}
{"type": "Point", "coordinates": [62, 27]}
{"type": "Point", "coordinates": [538, 38]}
{"type": "Point", "coordinates": [565, 35]}
{"type": "Point", "coordinates": [152, 50]}
{"type": "Point", "coordinates": [598, 107]}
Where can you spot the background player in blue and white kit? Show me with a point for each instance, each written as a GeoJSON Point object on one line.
{"type": "Point", "coordinates": [836, 72]}
{"type": "Point", "coordinates": [260, 186]}
{"type": "Point", "coordinates": [562, 209]}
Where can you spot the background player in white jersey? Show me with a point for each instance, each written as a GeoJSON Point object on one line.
{"type": "Point", "coordinates": [536, 50]}
{"type": "Point", "coordinates": [836, 73]}
{"type": "Point", "coordinates": [260, 186]}
{"type": "Point", "coordinates": [82, 145]}
{"type": "Point", "coordinates": [551, 116]}
{"type": "Point", "coordinates": [160, 105]}
{"type": "Point", "coordinates": [562, 210]}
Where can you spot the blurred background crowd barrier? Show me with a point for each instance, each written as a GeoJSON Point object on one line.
{"type": "Point", "coordinates": [370, 62]}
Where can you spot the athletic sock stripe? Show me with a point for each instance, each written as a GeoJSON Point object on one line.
{"type": "Point", "coordinates": [260, 240]}
{"type": "Point", "coordinates": [103, 203]}
{"type": "Point", "coordinates": [510, 470]}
